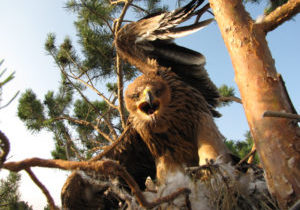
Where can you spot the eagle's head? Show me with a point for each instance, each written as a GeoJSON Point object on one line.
{"type": "Point", "coordinates": [147, 99]}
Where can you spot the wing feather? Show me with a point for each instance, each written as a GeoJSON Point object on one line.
{"type": "Point", "coordinates": [151, 39]}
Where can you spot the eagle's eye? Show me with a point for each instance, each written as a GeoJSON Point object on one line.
{"type": "Point", "coordinates": [135, 96]}
{"type": "Point", "coordinates": [158, 92]}
{"type": "Point", "coordinates": [148, 108]}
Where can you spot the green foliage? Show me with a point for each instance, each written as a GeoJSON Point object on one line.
{"type": "Point", "coordinates": [272, 4]}
{"type": "Point", "coordinates": [226, 91]}
{"type": "Point", "coordinates": [9, 193]}
{"type": "Point", "coordinates": [4, 82]}
{"type": "Point", "coordinates": [50, 43]}
{"type": "Point", "coordinates": [30, 110]}
{"type": "Point", "coordinates": [242, 147]}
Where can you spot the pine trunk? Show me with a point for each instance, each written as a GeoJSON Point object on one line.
{"type": "Point", "coordinates": [277, 140]}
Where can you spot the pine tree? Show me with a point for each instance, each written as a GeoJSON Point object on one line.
{"type": "Point", "coordinates": [9, 193]}
{"type": "Point", "coordinates": [81, 126]}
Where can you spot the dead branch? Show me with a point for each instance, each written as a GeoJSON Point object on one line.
{"type": "Point", "coordinates": [251, 157]}
{"type": "Point", "coordinates": [282, 115]}
{"type": "Point", "coordinates": [140, 8]}
{"type": "Point", "coordinates": [43, 189]}
{"type": "Point", "coordinates": [82, 95]}
{"type": "Point", "coordinates": [11, 100]}
{"type": "Point", "coordinates": [250, 154]}
{"type": "Point", "coordinates": [280, 15]}
{"type": "Point", "coordinates": [71, 146]}
{"type": "Point", "coordinates": [119, 64]}
{"type": "Point", "coordinates": [5, 147]}
{"type": "Point", "coordinates": [85, 123]}
{"type": "Point", "coordinates": [108, 123]}
{"type": "Point", "coordinates": [107, 167]}
{"type": "Point", "coordinates": [110, 147]}
{"type": "Point", "coordinates": [95, 90]}
{"type": "Point", "coordinates": [117, 1]}
{"type": "Point", "coordinates": [120, 91]}
{"type": "Point", "coordinates": [230, 98]}
{"type": "Point", "coordinates": [201, 11]}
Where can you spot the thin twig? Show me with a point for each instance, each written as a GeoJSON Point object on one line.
{"type": "Point", "coordinates": [5, 147]}
{"type": "Point", "coordinates": [11, 100]}
{"type": "Point", "coordinates": [250, 154]}
{"type": "Point", "coordinates": [251, 158]}
{"type": "Point", "coordinates": [122, 15]}
{"type": "Point", "coordinates": [281, 115]}
{"type": "Point", "coordinates": [140, 8]}
{"type": "Point", "coordinates": [119, 65]}
{"type": "Point", "coordinates": [98, 15]}
{"type": "Point", "coordinates": [117, 1]}
{"type": "Point", "coordinates": [86, 123]}
{"type": "Point", "coordinates": [280, 15]}
{"type": "Point", "coordinates": [230, 98]}
{"type": "Point", "coordinates": [43, 189]}
{"type": "Point", "coordinates": [107, 167]}
{"type": "Point", "coordinates": [201, 11]}
{"type": "Point", "coordinates": [120, 91]}
{"type": "Point", "coordinates": [111, 147]}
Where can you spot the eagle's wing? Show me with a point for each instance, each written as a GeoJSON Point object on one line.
{"type": "Point", "coordinates": [148, 44]}
{"type": "Point", "coordinates": [134, 155]}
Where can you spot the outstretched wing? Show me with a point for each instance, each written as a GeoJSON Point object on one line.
{"type": "Point", "coordinates": [148, 44]}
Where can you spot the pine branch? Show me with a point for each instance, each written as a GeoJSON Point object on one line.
{"type": "Point", "coordinates": [120, 91]}
{"type": "Point", "coordinates": [117, 26]}
{"type": "Point", "coordinates": [5, 147]}
{"type": "Point", "coordinates": [230, 98]}
{"type": "Point", "coordinates": [110, 147]}
{"type": "Point", "coordinates": [11, 100]}
{"type": "Point", "coordinates": [280, 15]}
{"type": "Point", "coordinates": [43, 189]}
{"type": "Point", "coordinates": [107, 122]}
{"type": "Point", "coordinates": [139, 8]}
{"type": "Point", "coordinates": [122, 15]}
{"type": "Point", "coordinates": [98, 15]}
{"type": "Point", "coordinates": [85, 123]}
{"type": "Point", "coordinates": [248, 156]}
{"type": "Point", "coordinates": [95, 90]}
{"type": "Point", "coordinates": [251, 157]}
{"type": "Point", "coordinates": [71, 146]}
{"type": "Point", "coordinates": [107, 168]}
{"type": "Point", "coordinates": [281, 115]}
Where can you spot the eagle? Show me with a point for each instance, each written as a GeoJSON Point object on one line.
{"type": "Point", "coordinates": [172, 104]}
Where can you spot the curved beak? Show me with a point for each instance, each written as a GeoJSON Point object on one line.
{"type": "Point", "coordinates": [149, 97]}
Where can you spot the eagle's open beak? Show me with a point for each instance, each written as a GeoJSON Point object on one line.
{"type": "Point", "coordinates": [150, 104]}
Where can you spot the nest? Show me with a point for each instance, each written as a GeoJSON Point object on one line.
{"type": "Point", "coordinates": [212, 186]}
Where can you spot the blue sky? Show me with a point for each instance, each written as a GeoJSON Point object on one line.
{"type": "Point", "coordinates": [24, 27]}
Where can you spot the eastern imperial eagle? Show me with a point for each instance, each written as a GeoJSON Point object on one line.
{"type": "Point", "coordinates": [172, 104]}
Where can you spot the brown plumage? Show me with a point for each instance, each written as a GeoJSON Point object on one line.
{"type": "Point", "coordinates": [172, 104]}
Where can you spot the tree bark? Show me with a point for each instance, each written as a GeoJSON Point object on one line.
{"type": "Point", "coordinates": [277, 140]}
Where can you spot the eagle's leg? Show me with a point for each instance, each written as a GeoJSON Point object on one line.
{"type": "Point", "coordinates": [210, 141]}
